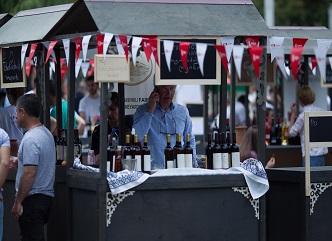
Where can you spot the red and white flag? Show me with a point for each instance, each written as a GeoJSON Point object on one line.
{"type": "Point", "coordinates": [201, 51]}
{"type": "Point", "coordinates": [78, 46]}
{"type": "Point", "coordinates": [63, 67]}
{"type": "Point", "coordinates": [154, 48]}
{"type": "Point", "coordinates": [168, 49]}
{"type": "Point", "coordinates": [33, 47]}
{"type": "Point", "coordinates": [124, 44]}
{"type": "Point", "coordinates": [107, 40]}
{"type": "Point", "coordinates": [184, 46]}
{"type": "Point", "coordinates": [147, 48]}
{"type": "Point", "coordinates": [237, 56]}
{"type": "Point", "coordinates": [85, 45]}
{"type": "Point", "coordinates": [256, 53]}
{"type": "Point", "coordinates": [85, 67]}
{"type": "Point", "coordinates": [66, 46]}
{"type": "Point", "coordinates": [100, 42]}
{"type": "Point", "coordinates": [50, 50]}
{"type": "Point", "coordinates": [222, 53]}
{"type": "Point", "coordinates": [279, 56]}
{"type": "Point", "coordinates": [299, 42]}
{"type": "Point", "coordinates": [275, 45]}
{"type": "Point", "coordinates": [23, 52]}
{"type": "Point", "coordinates": [135, 45]}
{"type": "Point", "coordinates": [78, 66]}
{"type": "Point", "coordinates": [295, 57]}
{"type": "Point", "coordinates": [228, 43]}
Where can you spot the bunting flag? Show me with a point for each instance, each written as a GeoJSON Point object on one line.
{"type": "Point", "coordinates": [78, 46]}
{"type": "Point", "coordinates": [147, 48]}
{"type": "Point", "coordinates": [33, 47]}
{"type": "Point", "coordinates": [85, 67]}
{"type": "Point", "coordinates": [313, 62]}
{"type": "Point", "coordinates": [200, 51]}
{"type": "Point", "coordinates": [228, 43]}
{"type": "Point", "coordinates": [100, 42]}
{"type": "Point", "coordinates": [330, 60]}
{"type": "Point", "coordinates": [184, 46]}
{"type": "Point", "coordinates": [120, 44]}
{"type": "Point", "coordinates": [123, 42]}
{"type": "Point", "coordinates": [92, 69]}
{"type": "Point", "coordinates": [66, 45]}
{"type": "Point", "coordinates": [85, 45]}
{"type": "Point", "coordinates": [275, 45]}
{"type": "Point", "coordinates": [237, 56]}
{"type": "Point", "coordinates": [299, 42]}
{"type": "Point", "coordinates": [50, 50]}
{"type": "Point", "coordinates": [324, 43]}
{"type": "Point", "coordinates": [222, 53]}
{"type": "Point", "coordinates": [295, 57]}
{"type": "Point", "coordinates": [107, 40]}
{"type": "Point", "coordinates": [135, 45]}
{"type": "Point", "coordinates": [168, 49]}
{"type": "Point", "coordinates": [154, 47]}
{"type": "Point", "coordinates": [320, 54]}
{"type": "Point", "coordinates": [78, 66]}
{"type": "Point", "coordinates": [63, 67]}
{"type": "Point", "coordinates": [252, 41]}
{"type": "Point", "coordinates": [256, 53]}
{"type": "Point", "coordinates": [52, 66]}
{"type": "Point", "coordinates": [280, 58]}
{"type": "Point", "coordinates": [23, 52]}
{"type": "Point", "coordinates": [28, 68]}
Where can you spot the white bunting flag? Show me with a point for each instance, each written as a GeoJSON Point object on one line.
{"type": "Point", "coordinates": [324, 43]}
{"type": "Point", "coordinates": [237, 56]}
{"type": "Point", "coordinates": [279, 55]}
{"type": "Point", "coordinates": [23, 52]}
{"type": "Point", "coordinates": [107, 40]}
{"type": "Point", "coordinates": [66, 43]}
{"type": "Point", "coordinates": [135, 45]}
{"type": "Point", "coordinates": [85, 67]}
{"type": "Point", "coordinates": [85, 45]}
{"type": "Point", "coordinates": [275, 43]}
{"type": "Point", "coordinates": [119, 44]}
{"type": "Point", "coordinates": [168, 49]}
{"type": "Point", "coordinates": [320, 54]}
{"type": "Point", "coordinates": [52, 67]}
{"type": "Point", "coordinates": [201, 50]}
{"type": "Point", "coordinates": [228, 43]}
{"type": "Point", "coordinates": [78, 66]}
{"type": "Point", "coordinates": [330, 59]}
{"type": "Point", "coordinates": [312, 66]}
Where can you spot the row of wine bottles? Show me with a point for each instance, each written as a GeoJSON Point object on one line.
{"type": "Point", "coordinates": [130, 151]}
{"type": "Point", "coordinates": [178, 156]}
{"type": "Point", "coordinates": [223, 154]}
{"type": "Point", "coordinates": [276, 134]}
{"type": "Point", "coordinates": [61, 145]}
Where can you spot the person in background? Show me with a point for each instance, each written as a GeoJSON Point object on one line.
{"type": "Point", "coordinates": [36, 171]}
{"type": "Point", "coordinates": [161, 116]}
{"type": "Point", "coordinates": [89, 107]}
{"type": "Point", "coordinates": [249, 146]}
{"type": "Point", "coordinates": [79, 94]}
{"type": "Point", "coordinates": [306, 97]}
{"type": "Point", "coordinates": [4, 167]}
{"type": "Point", "coordinates": [8, 120]}
{"type": "Point", "coordinates": [113, 123]}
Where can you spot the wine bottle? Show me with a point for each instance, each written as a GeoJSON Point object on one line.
{"type": "Point", "coordinates": [168, 152]}
{"type": "Point", "coordinates": [77, 145]}
{"type": "Point", "coordinates": [146, 158]}
{"type": "Point", "coordinates": [136, 154]}
{"type": "Point", "coordinates": [208, 153]}
{"type": "Point", "coordinates": [224, 152]}
{"type": "Point", "coordinates": [179, 153]}
{"type": "Point", "coordinates": [273, 137]}
{"type": "Point", "coordinates": [111, 155]}
{"type": "Point", "coordinates": [284, 133]}
{"type": "Point", "coordinates": [127, 148]}
{"type": "Point", "coordinates": [216, 158]}
{"type": "Point", "coordinates": [59, 148]}
{"type": "Point", "coordinates": [235, 152]}
{"type": "Point", "coordinates": [278, 131]}
{"type": "Point", "coordinates": [188, 153]}
{"type": "Point", "coordinates": [118, 157]}
{"type": "Point", "coordinates": [228, 143]}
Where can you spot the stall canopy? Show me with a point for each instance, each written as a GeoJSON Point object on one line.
{"type": "Point", "coordinates": [4, 18]}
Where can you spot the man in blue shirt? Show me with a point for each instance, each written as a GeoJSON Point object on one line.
{"type": "Point", "coordinates": [161, 116]}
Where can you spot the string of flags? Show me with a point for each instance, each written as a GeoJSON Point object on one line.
{"type": "Point", "coordinates": [226, 49]}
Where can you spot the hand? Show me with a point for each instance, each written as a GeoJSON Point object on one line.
{"type": "Point", "coordinates": [17, 210]}
{"type": "Point", "coordinates": [153, 100]}
{"type": "Point", "coordinates": [293, 108]}
{"type": "Point", "coordinates": [271, 163]}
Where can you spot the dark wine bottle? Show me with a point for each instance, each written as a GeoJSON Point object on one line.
{"type": "Point", "coordinates": [59, 148]}
{"type": "Point", "coordinates": [278, 130]}
{"type": "Point", "coordinates": [224, 152]}
{"type": "Point", "coordinates": [168, 152]}
{"type": "Point", "coordinates": [136, 154]}
{"type": "Point", "coordinates": [273, 136]}
{"type": "Point", "coordinates": [178, 151]}
{"type": "Point", "coordinates": [216, 159]}
{"type": "Point", "coordinates": [146, 158]}
{"type": "Point", "coordinates": [77, 145]}
{"type": "Point", "coordinates": [188, 153]}
{"type": "Point", "coordinates": [127, 148]}
{"type": "Point", "coordinates": [208, 153]}
{"type": "Point", "coordinates": [235, 152]}
{"type": "Point", "coordinates": [118, 156]}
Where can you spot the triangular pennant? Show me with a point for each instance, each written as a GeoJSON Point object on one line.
{"type": "Point", "coordinates": [92, 69]}
{"type": "Point", "coordinates": [107, 40]}
{"type": "Point", "coordinates": [252, 41]}
{"type": "Point", "coordinates": [23, 52]}
{"type": "Point", "coordinates": [313, 62]}
{"type": "Point", "coordinates": [275, 43]}
{"type": "Point", "coordinates": [50, 49]}
{"type": "Point", "coordinates": [52, 65]}
{"type": "Point", "coordinates": [201, 50]}
{"type": "Point", "coordinates": [228, 43]}
{"type": "Point", "coordinates": [256, 53]}
{"type": "Point", "coordinates": [320, 54]}
{"type": "Point", "coordinates": [295, 57]}
{"type": "Point", "coordinates": [123, 42]}
{"type": "Point", "coordinates": [32, 51]}
{"type": "Point", "coordinates": [119, 45]}
{"type": "Point", "coordinates": [280, 58]}
{"type": "Point", "coordinates": [222, 53]}
{"type": "Point", "coordinates": [237, 56]}
{"type": "Point", "coordinates": [85, 67]}
{"type": "Point", "coordinates": [100, 42]}
{"type": "Point", "coordinates": [184, 54]}
{"type": "Point", "coordinates": [78, 66]}
{"type": "Point", "coordinates": [85, 45]}
{"type": "Point", "coordinates": [168, 49]}
{"type": "Point", "coordinates": [154, 48]}
{"type": "Point", "coordinates": [299, 42]}
{"type": "Point", "coordinates": [147, 48]}
{"type": "Point", "coordinates": [135, 45]}
{"type": "Point", "coordinates": [78, 46]}
{"type": "Point", "coordinates": [66, 44]}
{"type": "Point", "coordinates": [63, 67]}
{"type": "Point", "coordinates": [28, 68]}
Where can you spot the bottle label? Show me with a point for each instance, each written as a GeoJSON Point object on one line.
{"type": "Point", "coordinates": [77, 151]}
{"type": "Point", "coordinates": [188, 159]}
{"type": "Point", "coordinates": [138, 163]}
{"type": "Point", "coordinates": [180, 161]}
{"type": "Point", "coordinates": [170, 164]}
{"type": "Point", "coordinates": [217, 161]}
{"type": "Point", "coordinates": [225, 160]}
{"type": "Point", "coordinates": [235, 159]}
{"type": "Point", "coordinates": [147, 163]}
{"type": "Point", "coordinates": [113, 165]}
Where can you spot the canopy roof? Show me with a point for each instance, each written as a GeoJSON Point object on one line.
{"type": "Point", "coordinates": [4, 18]}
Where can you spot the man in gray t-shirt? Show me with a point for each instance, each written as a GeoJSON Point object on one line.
{"type": "Point", "coordinates": [36, 171]}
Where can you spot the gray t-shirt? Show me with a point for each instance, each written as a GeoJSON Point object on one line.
{"type": "Point", "coordinates": [37, 149]}
{"type": "Point", "coordinates": [4, 138]}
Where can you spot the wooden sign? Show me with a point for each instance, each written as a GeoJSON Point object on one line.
{"type": "Point", "coordinates": [12, 72]}
{"type": "Point", "coordinates": [112, 68]}
{"type": "Point", "coordinates": [177, 75]}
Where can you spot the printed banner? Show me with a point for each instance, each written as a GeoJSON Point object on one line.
{"type": "Point", "coordinates": [237, 56]}
{"type": "Point", "coordinates": [23, 52]}
{"type": "Point", "coordinates": [295, 57]}
{"type": "Point", "coordinates": [275, 45]}
{"type": "Point", "coordinates": [85, 45]}
{"type": "Point", "coordinates": [228, 43]}
{"type": "Point", "coordinates": [50, 50]}
{"type": "Point", "coordinates": [100, 42]}
{"type": "Point", "coordinates": [66, 44]}
{"type": "Point", "coordinates": [256, 59]}
{"type": "Point", "coordinates": [78, 46]}
{"type": "Point", "coordinates": [201, 50]}
{"type": "Point", "coordinates": [107, 40]}
{"type": "Point", "coordinates": [168, 49]}
{"type": "Point", "coordinates": [184, 54]}
{"type": "Point", "coordinates": [135, 45]}
{"type": "Point", "coordinates": [222, 53]}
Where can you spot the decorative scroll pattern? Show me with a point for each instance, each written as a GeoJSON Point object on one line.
{"type": "Point", "coordinates": [254, 202]}
{"type": "Point", "coordinates": [112, 202]}
{"type": "Point", "coordinates": [316, 190]}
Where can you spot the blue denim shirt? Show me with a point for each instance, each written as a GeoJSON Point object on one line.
{"type": "Point", "coordinates": [175, 120]}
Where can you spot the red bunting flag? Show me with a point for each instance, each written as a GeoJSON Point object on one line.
{"type": "Point", "coordinates": [100, 42]}
{"type": "Point", "coordinates": [184, 46]}
{"type": "Point", "coordinates": [28, 68]}
{"type": "Point", "coordinates": [123, 42]}
{"type": "Point", "coordinates": [222, 53]}
{"type": "Point", "coordinates": [299, 42]}
{"type": "Point", "coordinates": [154, 48]}
{"type": "Point", "coordinates": [92, 69]}
{"type": "Point", "coordinates": [295, 57]}
{"type": "Point", "coordinates": [78, 44]}
{"type": "Point", "coordinates": [32, 51]}
{"type": "Point", "coordinates": [63, 68]}
{"type": "Point", "coordinates": [252, 41]}
{"type": "Point", "coordinates": [50, 49]}
{"type": "Point", "coordinates": [313, 63]}
{"type": "Point", "coordinates": [255, 54]}
{"type": "Point", "coordinates": [147, 48]}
